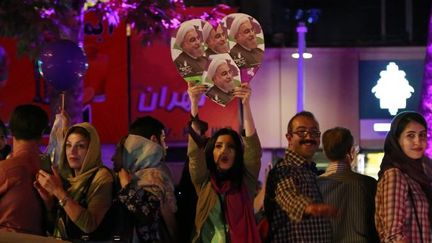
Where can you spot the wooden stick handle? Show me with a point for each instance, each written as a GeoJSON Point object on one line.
{"type": "Point", "coordinates": [62, 97]}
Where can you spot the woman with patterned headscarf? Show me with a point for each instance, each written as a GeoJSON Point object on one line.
{"type": "Point", "coordinates": [80, 189]}
{"type": "Point", "coordinates": [404, 194]}
{"type": "Point", "coordinates": [146, 190]}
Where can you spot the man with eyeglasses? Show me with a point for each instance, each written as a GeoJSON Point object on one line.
{"type": "Point", "coordinates": [293, 203]}
{"type": "Point", "coordinates": [352, 193]}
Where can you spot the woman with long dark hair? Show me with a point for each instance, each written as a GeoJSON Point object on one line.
{"type": "Point", "coordinates": [404, 194]}
{"type": "Point", "coordinates": [225, 174]}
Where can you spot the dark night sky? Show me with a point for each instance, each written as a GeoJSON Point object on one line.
{"type": "Point", "coordinates": [340, 23]}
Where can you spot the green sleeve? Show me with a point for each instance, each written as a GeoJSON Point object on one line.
{"type": "Point", "coordinates": [197, 164]}
{"type": "Point", "coordinates": [252, 161]}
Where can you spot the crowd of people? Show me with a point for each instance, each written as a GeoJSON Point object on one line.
{"type": "Point", "coordinates": [75, 197]}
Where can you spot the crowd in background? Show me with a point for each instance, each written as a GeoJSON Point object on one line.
{"type": "Point", "coordinates": [67, 193]}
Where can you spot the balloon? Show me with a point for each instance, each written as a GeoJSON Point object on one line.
{"type": "Point", "coordinates": [63, 64]}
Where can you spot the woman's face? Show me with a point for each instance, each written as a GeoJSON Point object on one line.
{"type": "Point", "coordinates": [76, 150]}
{"type": "Point", "coordinates": [413, 140]}
{"type": "Point", "coordinates": [224, 152]}
{"type": "Point", "coordinates": [223, 77]}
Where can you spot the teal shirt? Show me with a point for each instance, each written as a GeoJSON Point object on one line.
{"type": "Point", "coordinates": [213, 229]}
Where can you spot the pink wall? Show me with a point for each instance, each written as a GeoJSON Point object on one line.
{"type": "Point", "coordinates": [331, 89]}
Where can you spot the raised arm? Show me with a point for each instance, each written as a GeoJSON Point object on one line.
{"type": "Point", "coordinates": [196, 143]}
{"type": "Point", "coordinates": [195, 92]}
{"type": "Point", "coordinates": [252, 146]}
{"type": "Point", "coordinates": [244, 93]}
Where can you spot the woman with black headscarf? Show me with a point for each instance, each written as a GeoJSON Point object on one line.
{"type": "Point", "coordinates": [404, 194]}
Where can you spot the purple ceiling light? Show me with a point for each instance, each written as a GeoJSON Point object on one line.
{"type": "Point", "coordinates": [426, 104]}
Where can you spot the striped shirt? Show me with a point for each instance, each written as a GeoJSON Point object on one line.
{"type": "Point", "coordinates": [353, 195]}
{"type": "Point", "coordinates": [334, 168]}
{"type": "Point", "coordinates": [291, 186]}
{"type": "Point", "coordinates": [400, 218]}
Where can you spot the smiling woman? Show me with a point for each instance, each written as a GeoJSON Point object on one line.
{"type": "Point", "coordinates": [404, 193]}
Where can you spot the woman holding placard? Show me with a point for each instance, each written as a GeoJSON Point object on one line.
{"type": "Point", "coordinates": [225, 174]}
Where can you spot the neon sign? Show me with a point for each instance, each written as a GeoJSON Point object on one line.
{"type": "Point", "coordinates": [392, 89]}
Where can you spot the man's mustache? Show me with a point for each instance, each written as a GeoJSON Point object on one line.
{"type": "Point", "coordinates": [308, 141]}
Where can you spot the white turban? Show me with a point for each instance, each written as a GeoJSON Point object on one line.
{"type": "Point", "coordinates": [181, 32]}
{"type": "Point", "coordinates": [235, 25]}
{"type": "Point", "coordinates": [206, 31]}
{"type": "Point", "coordinates": [214, 64]}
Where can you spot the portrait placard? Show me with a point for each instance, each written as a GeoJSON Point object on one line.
{"type": "Point", "coordinates": [222, 56]}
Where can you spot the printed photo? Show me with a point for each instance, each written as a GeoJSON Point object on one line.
{"type": "Point", "coordinates": [222, 76]}
{"type": "Point", "coordinates": [187, 50]}
{"type": "Point", "coordinates": [246, 40]}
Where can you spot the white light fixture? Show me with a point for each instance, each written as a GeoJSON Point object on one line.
{"type": "Point", "coordinates": [392, 89]}
{"type": "Point", "coordinates": [306, 55]}
{"type": "Point", "coordinates": [381, 127]}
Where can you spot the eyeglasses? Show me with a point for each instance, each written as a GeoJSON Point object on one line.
{"type": "Point", "coordinates": [304, 133]}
